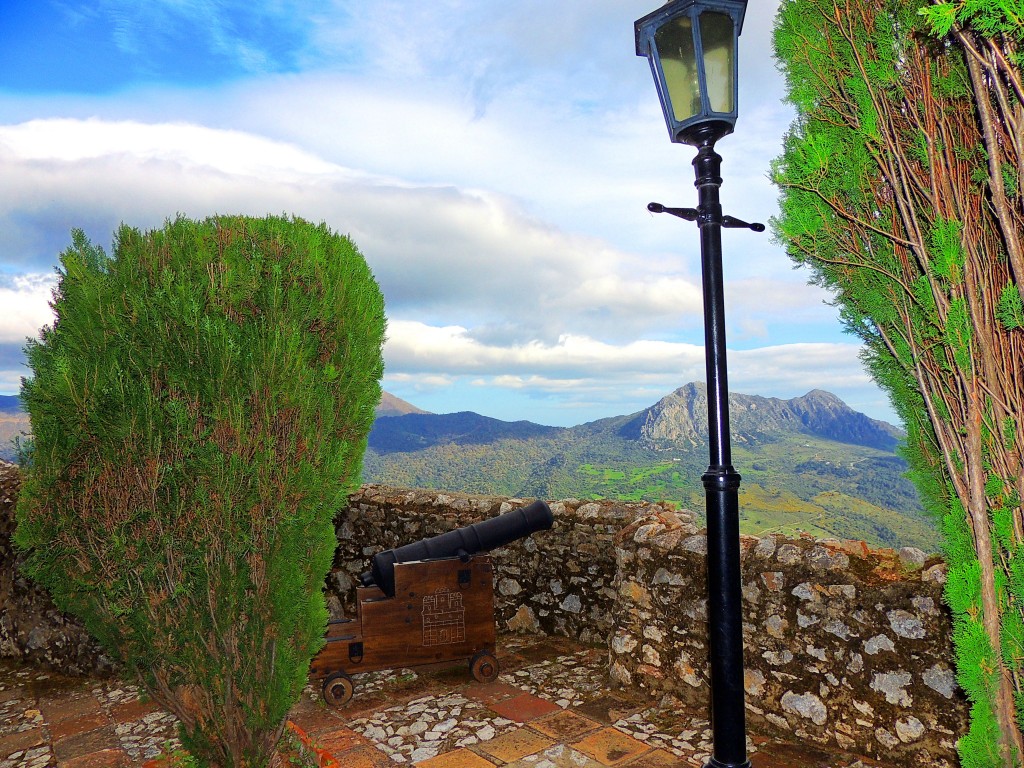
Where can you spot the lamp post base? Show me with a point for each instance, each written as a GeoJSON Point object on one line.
{"type": "Point", "coordinates": [713, 763]}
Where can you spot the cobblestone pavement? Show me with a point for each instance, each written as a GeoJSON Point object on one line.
{"type": "Point", "coordinates": [551, 707]}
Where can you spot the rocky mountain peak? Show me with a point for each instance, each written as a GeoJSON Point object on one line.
{"type": "Point", "coordinates": [395, 406]}
{"type": "Point", "coordinates": [681, 418]}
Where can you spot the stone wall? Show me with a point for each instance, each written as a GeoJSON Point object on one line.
{"type": "Point", "coordinates": [845, 646]}
{"type": "Point", "coordinates": [31, 627]}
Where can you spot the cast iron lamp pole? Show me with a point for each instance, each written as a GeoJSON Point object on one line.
{"type": "Point", "coordinates": [721, 481]}
{"type": "Point", "coordinates": [698, 112]}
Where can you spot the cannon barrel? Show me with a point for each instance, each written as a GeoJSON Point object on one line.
{"type": "Point", "coordinates": [478, 537]}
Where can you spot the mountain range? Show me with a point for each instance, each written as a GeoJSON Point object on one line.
{"type": "Point", "coordinates": [809, 464]}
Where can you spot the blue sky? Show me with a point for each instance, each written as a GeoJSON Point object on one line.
{"type": "Point", "coordinates": [492, 160]}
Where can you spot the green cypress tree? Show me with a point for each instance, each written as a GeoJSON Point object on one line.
{"type": "Point", "coordinates": [200, 409]}
{"type": "Point", "coordinates": [900, 194]}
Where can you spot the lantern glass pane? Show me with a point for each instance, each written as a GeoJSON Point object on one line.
{"type": "Point", "coordinates": [719, 43]}
{"type": "Point", "coordinates": [679, 66]}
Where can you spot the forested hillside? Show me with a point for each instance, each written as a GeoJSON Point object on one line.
{"type": "Point", "coordinates": [794, 479]}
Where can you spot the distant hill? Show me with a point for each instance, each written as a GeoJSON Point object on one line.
{"type": "Point", "coordinates": [810, 464]}
{"type": "Point", "coordinates": [418, 431]}
{"type": "Point", "coordinates": [395, 406]}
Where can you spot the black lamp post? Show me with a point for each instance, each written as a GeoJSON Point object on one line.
{"type": "Point", "coordinates": [691, 45]}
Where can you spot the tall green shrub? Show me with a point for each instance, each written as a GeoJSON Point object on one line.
{"type": "Point", "coordinates": [901, 194]}
{"type": "Point", "coordinates": [200, 409]}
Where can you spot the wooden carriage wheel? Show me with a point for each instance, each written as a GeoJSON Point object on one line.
{"type": "Point", "coordinates": [338, 689]}
{"type": "Point", "coordinates": [484, 667]}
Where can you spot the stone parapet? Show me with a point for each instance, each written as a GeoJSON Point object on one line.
{"type": "Point", "coordinates": [845, 645]}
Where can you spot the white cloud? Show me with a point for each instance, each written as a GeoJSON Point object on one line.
{"type": "Point", "coordinates": [25, 302]}
{"type": "Point", "coordinates": [439, 251]}
{"type": "Point", "coordinates": [188, 146]}
{"type": "Point", "coordinates": [552, 382]}
{"type": "Point", "coordinates": [419, 382]}
{"type": "Point", "coordinates": [798, 367]}
{"type": "Point", "coordinates": [414, 348]}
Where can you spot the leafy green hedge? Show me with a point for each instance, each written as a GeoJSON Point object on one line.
{"type": "Point", "coordinates": [200, 409]}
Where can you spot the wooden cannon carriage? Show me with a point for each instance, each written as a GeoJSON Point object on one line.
{"type": "Point", "coordinates": [426, 602]}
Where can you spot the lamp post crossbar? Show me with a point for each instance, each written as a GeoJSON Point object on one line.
{"type": "Point", "coordinates": [721, 481]}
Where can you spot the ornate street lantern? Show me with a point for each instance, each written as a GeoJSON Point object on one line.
{"type": "Point", "coordinates": [691, 46]}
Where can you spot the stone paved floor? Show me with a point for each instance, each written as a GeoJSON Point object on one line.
{"type": "Point", "coordinates": [551, 708]}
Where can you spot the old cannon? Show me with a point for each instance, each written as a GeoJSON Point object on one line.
{"type": "Point", "coordinates": [425, 602]}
